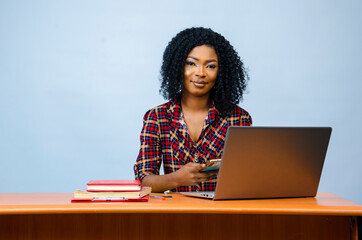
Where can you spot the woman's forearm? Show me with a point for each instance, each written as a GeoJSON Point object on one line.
{"type": "Point", "coordinates": [160, 183]}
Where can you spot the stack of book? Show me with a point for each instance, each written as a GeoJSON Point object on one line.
{"type": "Point", "coordinates": [112, 190]}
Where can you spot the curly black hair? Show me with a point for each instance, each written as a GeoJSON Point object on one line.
{"type": "Point", "coordinates": [232, 76]}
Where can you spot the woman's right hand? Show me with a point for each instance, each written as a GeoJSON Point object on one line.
{"type": "Point", "coordinates": [190, 174]}
{"type": "Point", "coordinates": [187, 175]}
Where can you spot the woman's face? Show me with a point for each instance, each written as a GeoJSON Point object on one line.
{"type": "Point", "coordinates": [200, 71]}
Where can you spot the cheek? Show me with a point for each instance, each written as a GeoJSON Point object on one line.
{"type": "Point", "coordinates": [187, 77]}
{"type": "Point", "coordinates": [187, 72]}
{"type": "Point", "coordinates": [213, 76]}
{"type": "Point", "coordinates": [214, 79]}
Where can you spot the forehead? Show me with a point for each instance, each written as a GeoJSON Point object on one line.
{"type": "Point", "coordinates": [203, 52]}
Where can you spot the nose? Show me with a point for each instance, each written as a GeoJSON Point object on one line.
{"type": "Point", "coordinates": [200, 72]}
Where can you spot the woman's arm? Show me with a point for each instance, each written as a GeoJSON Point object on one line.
{"type": "Point", "coordinates": [187, 175]}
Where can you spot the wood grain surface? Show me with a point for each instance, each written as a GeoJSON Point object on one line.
{"type": "Point", "coordinates": [53, 216]}
{"type": "Point", "coordinates": [173, 226]}
{"type": "Point", "coordinates": [49, 203]}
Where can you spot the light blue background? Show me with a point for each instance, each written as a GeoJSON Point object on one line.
{"type": "Point", "coordinates": [76, 78]}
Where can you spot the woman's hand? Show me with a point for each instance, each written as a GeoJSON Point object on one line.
{"type": "Point", "coordinates": [187, 175]}
{"type": "Point", "coordinates": [190, 174]}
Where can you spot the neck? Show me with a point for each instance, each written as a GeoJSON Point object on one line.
{"type": "Point", "coordinates": [192, 103]}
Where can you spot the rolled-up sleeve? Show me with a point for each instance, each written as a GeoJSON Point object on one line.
{"type": "Point", "coordinates": [149, 157]}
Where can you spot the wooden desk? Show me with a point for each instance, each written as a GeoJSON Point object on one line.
{"type": "Point", "coordinates": [53, 216]}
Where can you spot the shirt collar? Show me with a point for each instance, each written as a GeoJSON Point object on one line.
{"type": "Point", "coordinates": [174, 112]}
{"type": "Point", "coordinates": [211, 115]}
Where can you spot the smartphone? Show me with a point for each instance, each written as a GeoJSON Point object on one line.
{"type": "Point", "coordinates": [212, 164]}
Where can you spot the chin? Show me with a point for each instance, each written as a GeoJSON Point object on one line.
{"type": "Point", "coordinates": [197, 92]}
{"type": "Point", "coordinates": [200, 94]}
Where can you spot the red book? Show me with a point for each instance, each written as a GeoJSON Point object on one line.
{"type": "Point", "coordinates": [113, 185]}
{"type": "Point", "coordinates": [142, 199]}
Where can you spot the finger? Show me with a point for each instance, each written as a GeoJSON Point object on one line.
{"type": "Point", "coordinates": [204, 180]}
{"type": "Point", "coordinates": [208, 164]}
{"type": "Point", "coordinates": [202, 177]}
{"type": "Point", "coordinates": [213, 173]}
{"type": "Point", "coordinates": [199, 167]}
{"type": "Point", "coordinates": [200, 180]}
{"type": "Point", "coordinates": [209, 176]}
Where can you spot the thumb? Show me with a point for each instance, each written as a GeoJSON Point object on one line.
{"type": "Point", "coordinates": [200, 166]}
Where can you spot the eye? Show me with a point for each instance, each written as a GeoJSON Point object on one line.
{"type": "Point", "coordinates": [189, 63]}
{"type": "Point", "coordinates": [211, 66]}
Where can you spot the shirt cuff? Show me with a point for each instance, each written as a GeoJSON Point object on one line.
{"type": "Point", "coordinates": [140, 175]}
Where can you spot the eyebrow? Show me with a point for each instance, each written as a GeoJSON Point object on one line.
{"type": "Point", "coordinates": [195, 58]}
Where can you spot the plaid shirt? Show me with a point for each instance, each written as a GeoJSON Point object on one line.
{"type": "Point", "coordinates": [165, 138]}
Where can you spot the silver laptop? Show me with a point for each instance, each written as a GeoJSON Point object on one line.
{"type": "Point", "coordinates": [270, 162]}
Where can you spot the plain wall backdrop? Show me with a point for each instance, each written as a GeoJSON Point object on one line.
{"type": "Point", "coordinates": [76, 78]}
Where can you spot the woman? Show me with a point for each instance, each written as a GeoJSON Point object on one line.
{"type": "Point", "coordinates": [203, 78]}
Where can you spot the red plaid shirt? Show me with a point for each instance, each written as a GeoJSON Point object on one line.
{"type": "Point", "coordinates": [165, 139]}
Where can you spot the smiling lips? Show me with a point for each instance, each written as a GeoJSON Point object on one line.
{"type": "Point", "coordinates": [199, 83]}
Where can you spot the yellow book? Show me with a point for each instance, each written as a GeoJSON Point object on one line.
{"type": "Point", "coordinates": [82, 194]}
